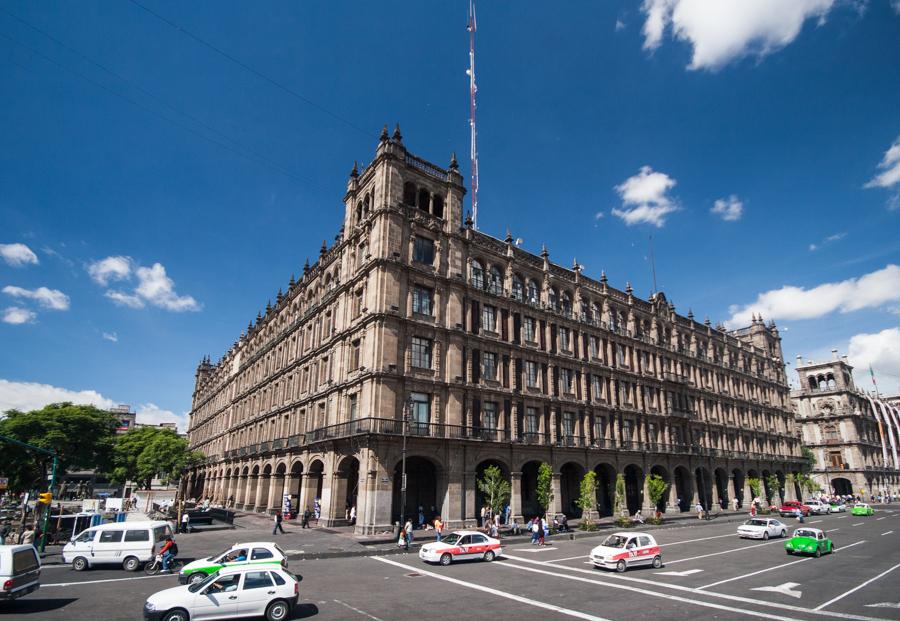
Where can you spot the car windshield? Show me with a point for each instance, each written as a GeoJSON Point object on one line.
{"type": "Point", "coordinates": [755, 523]}
{"type": "Point", "coordinates": [615, 541]}
{"type": "Point", "coordinates": [218, 556]}
{"type": "Point", "coordinates": [199, 585]}
{"type": "Point", "coordinates": [452, 539]}
{"type": "Point", "coordinates": [805, 533]}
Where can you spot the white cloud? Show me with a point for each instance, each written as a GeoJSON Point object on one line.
{"type": "Point", "coordinates": [730, 209]}
{"type": "Point", "coordinates": [828, 240]}
{"type": "Point", "coordinates": [620, 25]}
{"type": "Point", "coordinates": [158, 289]}
{"type": "Point", "coordinates": [109, 269]}
{"type": "Point", "coordinates": [880, 350]}
{"type": "Point", "coordinates": [111, 336]}
{"type": "Point", "coordinates": [53, 299]}
{"type": "Point", "coordinates": [153, 285]}
{"type": "Point", "coordinates": [26, 396]}
{"type": "Point", "coordinates": [152, 414]}
{"type": "Point", "coordinates": [17, 316]}
{"type": "Point", "coordinates": [599, 215]}
{"type": "Point", "coordinates": [721, 31]}
{"type": "Point", "coordinates": [789, 302]}
{"type": "Point", "coordinates": [645, 198]}
{"type": "Point", "coordinates": [18, 255]}
{"type": "Point", "coordinates": [889, 177]}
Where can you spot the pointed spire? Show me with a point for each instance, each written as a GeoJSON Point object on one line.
{"type": "Point", "coordinates": [280, 296]}
{"type": "Point", "coordinates": [323, 249]}
{"type": "Point", "coordinates": [306, 267]}
{"type": "Point", "coordinates": [249, 327]}
{"type": "Point", "coordinates": [258, 317]}
{"type": "Point", "coordinates": [706, 322]}
{"type": "Point", "coordinates": [268, 306]}
{"type": "Point", "coordinates": [544, 253]}
{"type": "Point", "coordinates": [603, 280]}
{"type": "Point", "coordinates": [384, 133]}
{"type": "Point", "coordinates": [509, 237]}
{"type": "Point", "coordinates": [454, 164]}
{"type": "Point", "coordinates": [397, 137]}
{"type": "Point", "coordinates": [354, 173]}
{"type": "Point", "coordinates": [690, 315]}
{"type": "Point", "coordinates": [293, 280]}
{"type": "Point", "coordinates": [628, 289]}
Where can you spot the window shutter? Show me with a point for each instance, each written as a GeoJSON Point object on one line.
{"type": "Point", "coordinates": [476, 366]}
{"type": "Point", "coordinates": [476, 317]}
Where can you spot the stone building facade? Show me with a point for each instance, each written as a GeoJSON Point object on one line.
{"type": "Point", "coordinates": [855, 436]}
{"type": "Point", "coordinates": [414, 324]}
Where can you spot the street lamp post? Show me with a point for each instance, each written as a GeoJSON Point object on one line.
{"type": "Point", "coordinates": [407, 410]}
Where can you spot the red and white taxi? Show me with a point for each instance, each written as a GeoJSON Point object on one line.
{"type": "Point", "coordinates": [462, 544]}
{"type": "Point", "coordinates": [620, 551]}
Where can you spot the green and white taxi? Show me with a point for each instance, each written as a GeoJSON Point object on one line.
{"type": "Point", "coordinates": [238, 555]}
{"type": "Point", "coordinates": [809, 541]}
{"type": "Point", "coordinates": [862, 508]}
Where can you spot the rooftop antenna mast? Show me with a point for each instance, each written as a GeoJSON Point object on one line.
{"type": "Point", "coordinates": [472, 91]}
{"type": "Point", "coordinates": [653, 264]}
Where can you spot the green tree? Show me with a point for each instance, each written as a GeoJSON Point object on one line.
{"type": "Point", "coordinates": [621, 507]}
{"type": "Point", "coordinates": [587, 499]}
{"type": "Point", "coordinates": [773, 487]}
{"type": "Point", "coordinates": [147, 453]}
{"type": "Point", "coordinates": [753, 484]}
{"type": "Point", "coordinates": [656, 487]}
{"type": "Point", "coordinates": [495, 488]}
{"type": "Point", "coordinates": [809, 460]}
{"type": "Point", "coordinates": [82, 435]}
{"type": "Point", "coordinates": [544, 489]}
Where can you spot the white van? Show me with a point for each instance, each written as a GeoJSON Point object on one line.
{"type": "Point", "coordinates": [20, 569]}
{"type": "Point", "coordinates": [130, 544]}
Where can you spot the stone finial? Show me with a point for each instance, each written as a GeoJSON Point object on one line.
{"type": "Point", "coordinates": [306, 267]}
{"type": "Point", "coordinates": [323, 249]}
{"type": "Point", "coordinates": [258, 317]}
{"type": "Point", "coordinates": [690, 315]}
{"type": "Point", "coordinates": [707, 322]}
{"type": "Point", "coordinates": [468, 221]}
{"type": "Point", "coordinates": [268, 306]}
{"type": "Point", "coordinates": [454, 164]}
{"type": "Point", "coordinates": [354, 173]}
{"type": "Point", "coordinates": [509, 238]}
{"type": "Point", "coordinates": [249, 327]}
{"type": "Point", "coordinates": [575, 266]}
{"type": "Point", "coordinates": [628, 288]}
{"type": "Point", "coordinates": [280, 296]}
{"type": "Point", "coordinates": [293, 281]}
{"type": "Point", "coordinates": [544, 253]}
{"type": "Point", "coordinates": [397, 137]}
{"type": "Point", "coordinates": [603, 279]}
{"type": "Point", "coordinates": [384, 133]}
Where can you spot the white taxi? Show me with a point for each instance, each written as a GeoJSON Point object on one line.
{"type": "Point", "coordinates": [463, 544]}
{"type": "Point", "coordinates": [620, 551]}
{"type": "Point", "coordinates": [248, 591]}
{"type": "Point", "coordinates": [762, 528]}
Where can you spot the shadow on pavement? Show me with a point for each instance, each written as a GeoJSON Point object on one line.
{"type": "Point", "coordinates": [305, 611]}
{"type": "Point", "coordinates": [32, 606]}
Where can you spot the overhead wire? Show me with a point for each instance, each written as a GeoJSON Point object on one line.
{"type": "Point", "coordinates": [256, 72]}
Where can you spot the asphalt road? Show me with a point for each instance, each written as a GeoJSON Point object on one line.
{"type": "Point", "coordinates": [708, 572]}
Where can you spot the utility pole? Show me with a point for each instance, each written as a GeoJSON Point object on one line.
{"type": "Point", "coordinates": [406, 412]}
{"type": "Point", "coordinates": [55, 457]}
{"type": "Point", "coordinates": [473, 89]}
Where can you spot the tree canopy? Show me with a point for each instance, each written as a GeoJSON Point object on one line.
{"type": "Point", "coordinates": [495, 488]}
{"type": "Point", "coordinates": [147, 453]}
{"type": "Point", "coordinates": [544, 491]}
{"type": "Point", "coordinates": [82, 435]}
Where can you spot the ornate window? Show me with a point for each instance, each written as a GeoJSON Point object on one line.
{"type": "Point", "coordinates": [495, 285]}
{"type": "Point", "coordinates": [477, 274]}
{"type": "Point", "coordinates": [518, 288]}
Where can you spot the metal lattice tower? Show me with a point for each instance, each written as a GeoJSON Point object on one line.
{"type": "Point", "coordinates": [473, 89]}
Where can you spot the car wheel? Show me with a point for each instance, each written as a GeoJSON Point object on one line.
{"type": "Point", "coordinates": [445, 559]}
{"type": "Point", "coordinates": [783, 534]}
{"type": "Point", "coordinates": [818, 552]}
{"type": "Point", "coordinates": [766, 536]}
{"type": "Point", "coordinates": [177, 614]}
{"type": "Point", "coordinates": [657, 562]}
{"type": "Point", "coordinates": [831, 549]}
{"type": "Point", "coordinates": [621, 566]}
{"type": "Point", "coordinates": [489, 556]}
{"type": "Point", "coordinates": [278, 610]}
{"type": "Point", "coordinates": [131, 563]}
{"type": "Point", "coordinates": [80, 563]}
{"type": "Point", "coordinates": [197, 576]}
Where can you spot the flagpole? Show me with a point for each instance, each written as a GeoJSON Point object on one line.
{"type": "Point", "coordinates": [874, 383]}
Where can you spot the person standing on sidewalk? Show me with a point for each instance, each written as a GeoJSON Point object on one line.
{"type": "Point", "coordinates": [438, 528]}
{"type": "Point", "coordinates": [278, 526]}
{"type": "Point", "coordinates": [304, 523]}
{"type": "Point", "coordinates": [408, 527]}
{"type": "Point", "coordinates": [185, 523]}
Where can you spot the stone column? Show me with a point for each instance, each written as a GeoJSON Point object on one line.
{"type": "Point", "coordinates": [647, 507]}
{"type": "Point", "coordinates": [304, 500]}
{"type": "Point", "coordinates": [556, 503]}
{"type": "Point", "coordinates": [452, 507]}
{"type": "Point", "coordinates": [515, 495]}
{"type": "Point", "coordinates": [716, 499]}
{"type": "Point", "coordinates": [514, 421]}
{"type": "Point", "coordinates": [286, 489]}
{"type": "Point", "coordinates": [731, 492]}
{"type": "Point", "coordinates": [554, 415]}
{"type": "Point", "coordinates": [472, 513]}
{"type": "Point", "coordinates": [275, 500]}
{"type": "Point", "coordinates": [261, 483]}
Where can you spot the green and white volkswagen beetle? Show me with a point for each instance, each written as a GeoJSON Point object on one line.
{"type": "Point", "coordinates": [238, 555]}
{"type": "Point", "coordinates": [809, 541]}
{"type": "Point", "coordinates": [862, 508]}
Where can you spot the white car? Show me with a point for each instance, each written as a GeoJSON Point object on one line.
{"type": "Point", "coordinates": [462, 544]}
{"type": "Point", "coordinates": [762, 528]}
{"type": "Point", "coordinates": [228, 594]}
{"type": "Point", "coordinates": [620, 551]}
{"type": "Point", "coordinates": [838, 507]}
{"type": "Point", "coordinates": [240, 554]}
{"type": "Point", "coordinates": [818, 507]}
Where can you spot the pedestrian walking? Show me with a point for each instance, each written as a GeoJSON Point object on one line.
{"type": "Point", "coordinates": [353, 515]}
{"type": "Point", "coordinates": [542, 531]}
{"type": "Point", "coordinates": [483, 517]}
{"type": "Point", "coordinates": [535, 526]}
{"type": "Point", "coordinates": [408, 527]}
{"type": "Point", "coordinates": [278, 526]}
{"type": "Point", "coordinates": [185, 522]}
{"type": "Point", "coordinates": [734, 503]}
{"type": "Point", "coordinates": [304, 523]}
{"type": "Point", "coordinates": [438, 528]}
{"type": "Point", "coordinates": [699, 508]}
{"type": "Point", "coordinates": [402, 542]}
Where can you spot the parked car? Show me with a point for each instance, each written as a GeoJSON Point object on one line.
{"type": "Point", "coordinates": [762, 528]}
{"type": "Point", "coordinates": [20, 571]}
{"type": "Point", "coordinates": [818, 507]}
{"type": "Point", "coordinates": [130, 544]}
{"type": "Point", "coordinates": [837, 506]}
{"type": "Point", "coordinates": [862, 508]}
{"type": "Point", "coordinates": [809, 541]}
{"type": "Point", "coordinates": [789, 507]}
{"type": "Point", "coordinates": [620, 551]}
{"type": "Point", "coordinates": [464, 544]}
{"type": "Point", "coordinates": [240, 554]}
{"type": "Point", "coordinates": [248, 591]}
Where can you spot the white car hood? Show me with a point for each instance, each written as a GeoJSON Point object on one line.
{"type": "Point", "coordinates": [169, 597]}
{"type": "Point", "coordinates": [436, 545]}
{"type": "Point", "coordinates": [605, 551]}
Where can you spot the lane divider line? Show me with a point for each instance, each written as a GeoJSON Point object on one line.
{"type": "Point", "coordinates": [887, 533]}
{"type": "Point", "coordinates": [857, 588]}
{"type": "Point", "coordinates": [694, 558]}
{"type": "Point", "coordinates": [62, 584]}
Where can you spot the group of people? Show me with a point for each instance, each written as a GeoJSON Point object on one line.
{"type": "Point", "coordinates": [10, 536]}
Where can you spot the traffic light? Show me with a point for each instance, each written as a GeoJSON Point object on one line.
{"type": "Point", "coordinates": [45, 499]}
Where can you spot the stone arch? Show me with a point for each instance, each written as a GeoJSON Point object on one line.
{"type": "Point", "coordinates": [570, 475]}
{"type": "Point", "coordinates": [345, 488]}
{"type": "Point", "coordinates": [720, 476]}
{"type": "Point", "coordinates": [530, 505]}
{"type": "Point", "coordinates": [481, 498]}
{"type": "Point", "coordinates": [315, 481]}
{"type": "Point", "coordinates": [737, 478]}
{"type": "Point", "coordinates": [703, 481]}
{"type": "Point", "coordinates": [661, 471]}
{"type": "Point", "coordinates": [409, 194]}
{"type": "Point", "coordinates": [684, 489]}
{"type": "Point", "coordinates": [842, 486]}
{"type": "Point", "coordinates": [424, 201]}
{"type": "Point", "coordinates": [422, 479]}
{"type": "Point", "coordinates": [606, 489]}
{"type": "Point", "coordinates": [634, 487]}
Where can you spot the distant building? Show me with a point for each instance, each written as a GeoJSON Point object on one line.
{"type": "Point", "coordinates": [127, 418]}
{"type": "Point", "coordinates": [855, 436]}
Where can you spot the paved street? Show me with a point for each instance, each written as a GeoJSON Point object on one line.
{"type": "Point", "coordinates": [708, 571]}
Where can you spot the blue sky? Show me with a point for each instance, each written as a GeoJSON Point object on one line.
{"type": "Point", "coordinates": [757, 142]}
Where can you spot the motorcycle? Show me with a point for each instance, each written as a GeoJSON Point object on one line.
{"type": "Point", "coordinates": [155, 566]}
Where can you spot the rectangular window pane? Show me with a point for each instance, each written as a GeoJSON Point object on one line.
{"type": "Point", "coordinates": [489, 415]}
{"type": "Point", "coordinates": [422, 298]}
{"type": "Point", "coordinates": [531, 420]}
{"type": "Point", "coordinates": [489, 364]}
{"type": "Point", "coordinates": [489, 318]}
{"type": "Point", "coordinates": [421, 352]}
{"type": "Point", "coordinates": [420, 414]}
{"type": "Point", "coordinates": [529, 329]}
{"type": "Point", "coordinates": [423, 250]}
{"type": "Point", "coordinates": [531, 374]}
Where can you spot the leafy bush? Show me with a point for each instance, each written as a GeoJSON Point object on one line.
{"type": "Point", "coordinates": [654, 521]}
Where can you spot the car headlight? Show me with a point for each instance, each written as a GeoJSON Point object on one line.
{"type": "Point", "coordinates": [149, 606]}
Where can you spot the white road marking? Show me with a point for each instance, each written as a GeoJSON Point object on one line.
{"type": "Point", "coordinates": [877, 519]}
{"type": "Point", "coordinates": [857, 588]}
{"type": "Point", "coordinates": [532, 550]}
{"type": "Point", "coordinates": [362, 612]}
{"type": "Point", "coordinates": [686, 589]}
{"type": "Point", "coordinates": [884, 605]}
{"type": "Point", "coordinates": [887, 533]}
{"type": "Point", "coordinates": [478, 587]}
{"type": "Point", "coordinates": [59, 584]}
{"type": "Point", "coordinates": [688, 572]}
{"type": "Point", "coordinates": [815, 521]}
{"type": "Point", "coordinates": [843, 517]}
{"type": "Point", "coordinates": [694, 558]}
{"type": "Point", "coordinates": [568, 558]}
{"type": "Point", "coordinates": [675, 543]}
{"type": "Point", "coordinates": [859, 524]}
{"type": "Point", "coordinates": [787, 589]}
